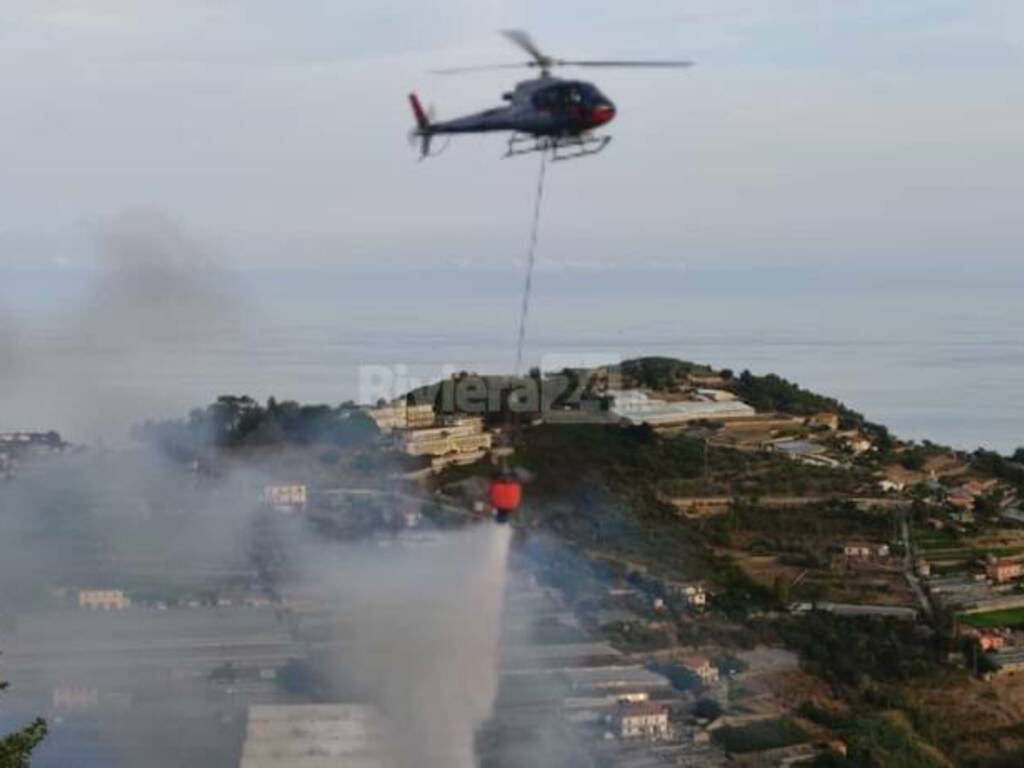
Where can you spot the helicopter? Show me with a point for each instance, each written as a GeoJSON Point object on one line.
{"type": "Point", "coordinates": [543, 114]}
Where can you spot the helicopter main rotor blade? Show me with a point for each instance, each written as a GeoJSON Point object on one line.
{"type": "Point", "coordinates": [675, 64]}
{"type": "Point", "coordinates": [482, 68]}
{"type": "Point", "coordinates": [546, 63]}
{"type": "Point", "coordinates": [524, 41]}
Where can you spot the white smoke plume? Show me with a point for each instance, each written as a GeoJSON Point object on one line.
{"type": "Point", "coordinates": [417, 632]}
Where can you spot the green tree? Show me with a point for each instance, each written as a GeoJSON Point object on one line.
{"type": "Point", "coordinates": [888, 740]}
{"type": "Point", "coordinates": [913, 459]}
{"type": "Point", "coordinates": [16, 748]}
{"type": "Point", "coordinates": [709, 709]}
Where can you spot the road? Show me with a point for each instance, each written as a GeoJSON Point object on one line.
{"type": "Point", "coordinates": [908, 570]}
{"type": "Point", "coordinates": [861, 502]}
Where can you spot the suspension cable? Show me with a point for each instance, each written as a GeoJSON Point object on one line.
{"type": "Point", "coordinates": [531, 256]}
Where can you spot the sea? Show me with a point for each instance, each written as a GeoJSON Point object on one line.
{"type": "Point", "coordinates": [934, 353]}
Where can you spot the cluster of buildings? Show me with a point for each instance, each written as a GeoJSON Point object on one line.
{"type": "Point", "coordinates": [633, 714]}
{"type": "Point", "coordinates": [18, 446]}
{"type": "Point", "coordinates": [460, 440]}
{"type": "Point", "coordinates": [815, 440]}
{"type": "Point", "coordinates": [825, 446]}
{"type": "Point", "coordinates": [15, 442]}
{"type": "Point", "coordinates": [992, 589]}
{"type": "Point", "coordinates": [964, 497]}
{"type": "Point", "coordinates": [112, 600]}
{"type": "Point", "coordinates": [443, 441]}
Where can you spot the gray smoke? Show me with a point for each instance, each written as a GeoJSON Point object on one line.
{"type": "Point", "coordinates": [414, 627]}
{"type": "Point", "coordinates": [131, 520]}
{"type": "Point", "coordinates": [154, 294]}
{"type": "Point", "coordinates": [156, 284]}
{"type": "Point", "coordinates": [413, 623]}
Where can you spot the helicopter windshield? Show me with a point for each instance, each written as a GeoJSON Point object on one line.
{"type": "Point", "coordinates": [589, 94]}
{"type": "Point", "coordinates": [566, 95]}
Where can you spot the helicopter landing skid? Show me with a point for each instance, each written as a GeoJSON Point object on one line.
{"type": "Point", "coordinates": [561, 147]}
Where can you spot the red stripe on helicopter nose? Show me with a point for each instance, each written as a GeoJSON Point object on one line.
{"type": "Point", "coordinates": [601, 115]}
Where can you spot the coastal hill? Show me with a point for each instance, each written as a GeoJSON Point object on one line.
{"type": "Point", "coordinates": [703, 511]}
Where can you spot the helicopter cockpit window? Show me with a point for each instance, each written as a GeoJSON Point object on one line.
{"type": "Point", "coordinates": [547, 99]}
{"type": "Point", "coordinates": [562, 97]}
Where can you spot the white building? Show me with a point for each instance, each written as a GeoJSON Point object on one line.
{"type": "Point", "coordinates": [702, 668]}
{"type": "Point", "coordinates": [856, 443]}
{"type": "Point", "coordinates": [401, 415]}
{"type": "Point", "coordinates": [642, 719]}
{"type": "Point", "coordinates": [464, 435]}
{"type": "Point", "coordinates": [636, 407]}
{"type": "Point", "coordinates": [286, 497]}
{"type": "Point", "coordinates": [104, 599]}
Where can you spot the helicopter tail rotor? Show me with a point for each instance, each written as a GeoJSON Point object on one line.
{"type": "Point", "coordinates": [423, 130]}
{"type": "Point", "coordinates": [422, 121]}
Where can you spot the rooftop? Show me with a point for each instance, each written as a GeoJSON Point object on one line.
{"type": "Point", "coordinates": [313, 736]}
{"type": "Point", "coordinates": [615, 677]}
{"type": "Point", "coordinates": [637, 407]}
{"type": "Point", "coordinates": [641, 708]}
{"type": "Point", "coordinates": [798, 447]}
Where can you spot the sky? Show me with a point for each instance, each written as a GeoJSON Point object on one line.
{"type": "Point", "coordinates": [811, 132]}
